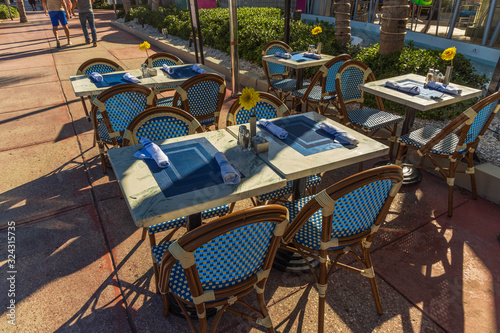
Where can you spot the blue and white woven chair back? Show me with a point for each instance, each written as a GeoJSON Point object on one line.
{"type": "Point", "coordinates": [123, 107]}
{"type": "Point", "coordinates": [268, 107]}
{"type": "Point", "coordinates": [330, 77]}
{"type": "Point", "coordinates": [160, 61]}
{"type": "Point", "coordinates": [99, 68]}
{"type": "Point", "coordinates": [203, 100]}
{"type": "Point", "coordinates": [480, 121]}
{"type": "Point", "coordinates": [350, 78]}
{"type": "Point", "coordinates": [276, 69]}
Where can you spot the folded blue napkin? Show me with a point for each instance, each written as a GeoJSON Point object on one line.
{"type": "Point", "coordinates": [312, 55]}
{"type": "Point", "coordinates": [96, 77]}
{"type": "Point", "coordinates": [152, 151]}
{"type": "Point", "coordinates": [446, 88]}
{"type": "Point", "coordinates": [276, 130]}
{"type": "Point", "coordinates": [341, 136]}
{"type": "Point", "coordinates": [130, 78]}
{"type": "Point", "coordinates": [412, 90]}
{"type": "Point", "coordinates": [167, 69]}
{"type": "Point", "coordinates": [229, 173]}
{"type": "Point", "coordinates": [198, 69]}
{"type": "Point", "coordinates": [283, 55]}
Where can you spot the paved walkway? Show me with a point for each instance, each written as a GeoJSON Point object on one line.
{"type": "Point", "coordinates": [81, 267]}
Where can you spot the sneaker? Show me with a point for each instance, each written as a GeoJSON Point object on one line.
{"type": "Point", "coordinates": [69, 42]}
{"type": "Point", "coordinates": [58, 45]}
{"type": "Point", "coordinates": [87, 41]}
{"type": "Point", "coordinates": [95, 44]}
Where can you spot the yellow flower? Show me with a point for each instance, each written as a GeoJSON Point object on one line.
{"type": "Point", "coordinates": [449, 54]}
{"type": "Point", "coordinates": [249, 98]}
{"type": "Point", "coordinates": [144, 46]}
{"type": "Point", "coordinates": [316, 30]}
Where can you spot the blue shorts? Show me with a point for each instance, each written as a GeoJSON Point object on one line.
{"type": "Point", "coordinates": [59, 16]}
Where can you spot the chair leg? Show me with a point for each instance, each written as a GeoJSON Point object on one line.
{"type": "Point", "coordinates": [156, 270]}
{"type": "Point", "coordinates": [451, 182]}
{"type": "Point", "coordinates": [144, 233]}
{"type": "Point", "coordinates": [392, 139]}
{"type": "Point", "coordinates": [263, 308]}
{"type": "Point", "coordinates": [164, 298]}
{"type": "Point", "coordinates": [85, 108]}
{"type": "Point", "coordinates": [322, 286]}
{"type": "Point", "coordinates": [373, 281]}
{"type": "Point", "coordinates": [472, 174]}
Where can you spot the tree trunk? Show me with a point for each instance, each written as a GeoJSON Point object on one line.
{"type": "Point", "coordinates": [155, 5]}
{"type": "Point", "coordinates": [393, 29]}
{"type": "Point", "coordinates": [22, 12]}
{"type": "Point", "coordinates": [126, 6]}
{"type": "Point", "coordinates": [343, 20]}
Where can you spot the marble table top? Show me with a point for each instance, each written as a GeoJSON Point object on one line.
{"type": "Point", "coordinates": [419, 102]}
{"type": "Point", "coordinates": [83, 86]}
{"type": "Point", "coordinates": [292, 165]}
{"type": "Point", "coordinates": [298, 65]}
{"type": "Point", "coordinates": [149, 205]}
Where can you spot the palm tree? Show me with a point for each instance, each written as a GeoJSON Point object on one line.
{"type": "Point", "coordinates": [155, 5]}
{"type": "Point", "coordinates": [393, 29]}
{"type": "Point", "coordinates": [342, 20]}
{"type": "Point", "coordinates": [22, 12]}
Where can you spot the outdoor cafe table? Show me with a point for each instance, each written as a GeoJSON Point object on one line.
{"type": "Point", "coordinates": [306, 152]}
{"type": "Point", "coordinates": [83, 85]}
{"type": "Point", "coordinates": [156, 195]}
{"type": "Point", "coordinates": [421, 102]}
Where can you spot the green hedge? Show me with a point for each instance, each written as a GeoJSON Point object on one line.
{"type": "Point", "coordinates": [105, 5]}
{"type": "Point", "coordinates": [4, 12]}
{"type": "Point", "coordinates": [257, 26]}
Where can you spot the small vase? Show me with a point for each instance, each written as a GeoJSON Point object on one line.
{"type": "Point", "coordinates": [447, 75]}
{"type": "Point", "coordinates": [318, 50]}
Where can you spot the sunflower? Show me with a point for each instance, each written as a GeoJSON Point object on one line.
{"type": "Point", "coordinates": [144, 47]}
{"type": "Point", "coordinates": [316, 30]}
{"type": "Point", "coordinates": [449, 54]}
{"type": "Point", "coordinates": [249, 98]}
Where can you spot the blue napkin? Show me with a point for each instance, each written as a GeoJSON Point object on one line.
{"type": "Point", "coordinates": [198, 69]}
{"type": "Point", "coordinates": [312, 55]}
{"type": "Point", "coordinates": [283, 55]}
{"type": "Point", "coordinates": [96, 77]}
{"type": "Point", "coordinates": [412, 90]}
{"type": "Point", "coordinates": [276, 130]}
{"type": "Point", "coordinates": [341, 136]}
{"type": "Point", "coordinates": [229, 173]}
{"type": "Point", "coordinates": [152, 151]}
{"type": "Point", "coordinates": [167, 69]}
{"type": "Point", "coordinates": [446, 88]}
{"type": "Point", "coordinates": [130, 78]}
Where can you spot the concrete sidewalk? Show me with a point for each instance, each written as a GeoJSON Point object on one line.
{"type": "Point", "coordinates": [80, 265]}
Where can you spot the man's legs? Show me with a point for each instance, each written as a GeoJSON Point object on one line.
{"type": "Point", "coordinates": [90, 18]}
{"type": "Point", "coordinates": [83, 22]}
{"type": "Point", "coordinates": [54, 30]}
{"type": "Point", "coordinates": [66, 31]}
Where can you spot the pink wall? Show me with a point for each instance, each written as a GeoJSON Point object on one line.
{"type": "Point", "coordinates": [208, 3]}
{"type": "Point", "coordinates": [301, 4]}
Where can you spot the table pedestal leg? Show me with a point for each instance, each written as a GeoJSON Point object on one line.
{"type": "Point", "coordinates": [193, 221]}
{"type": "Point", "coordinates": [299, 188]}
{"type": "Point", "coordinates": [299, 82]}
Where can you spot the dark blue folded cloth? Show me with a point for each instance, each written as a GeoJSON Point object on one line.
{"type": "Point", "coordinates": [412, 90]}
{"type": "Point", "coordinates": [96, 77]}
{"type": "Point", "coordinates": [283, 55]}
{"type": "Point", "coordinates": [446, 88]}
{"type": "Point", "coordinates": [312, 55]}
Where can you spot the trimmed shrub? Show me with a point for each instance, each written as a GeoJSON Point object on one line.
{"type": "Point", "coordinates": [4, 12]}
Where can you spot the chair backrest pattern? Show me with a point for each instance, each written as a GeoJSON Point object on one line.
{"type": "Point", "coordinates": [160, 59]}
{"type": "Point", "coordinates": [480, 121]}
{"type": "Point", "coordinates": [330, 77]}
{"type": "Point", "coordinates": [268, 107]}
{"type": "Point", "coordinates": [162, 128]}
{"type": "Point", "coordinates": [350, 78]}
{"type": "Point", "coordinates": [270, 49]}
{"type": "Point", "coordinates": [99, 65]}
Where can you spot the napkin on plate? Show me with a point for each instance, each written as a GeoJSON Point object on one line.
{"type": "Point", "coordinates": [341, 136]}
{"type": "Point", "coordinates": [283, 55]}
{"type": "Point", "coordinates": [229, 173]}
{"type": "Point", "coordinates": [276, 130]}
{"type": "Point", "coordinates": [409, 89]}
{"type": "Point", "coordinates": [198, 69]}
{"type": "Point", "coordinates": [152, 151]}
{"type": "Point", "coordinates": [96, 77]}
{"type": "Point", "coordinates": [446, 88]}
{"type": "Point", "coordinates": [312, 55]}
{"type": "Point", "coordinates": [167, 69]}
{"type": "Point", "coordinates": [130, 78]}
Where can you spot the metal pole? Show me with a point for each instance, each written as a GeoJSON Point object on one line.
{"type": "Point", "coordinates": [412, 4]}
{"type": "Point", "coordinates": [439, 16]}
{"type": "Point", "coordinates": [114, 8]}
{"type": "Point", "coordinates": [7, 2]}
{"type": "Point", "coordinates": [286, 38]}
{"type": "Point", "coordinates": [355, 10]}
{"type": "Point", "coordinates": [370, 11]}
{"type": "Point", "coordinates": [495, 35]}
{"type": "Point", "coordinates": [454, 19]}
{"type": "Point", "coordinates": [233, 36]}
{"type": "Point", "coordinates": [495, 80]}
{"type": "Point", "coordinates": [488, 22]}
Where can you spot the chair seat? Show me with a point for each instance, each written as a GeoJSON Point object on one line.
{"type": "Point", "coordinates": [372, 119]}
{"type": "Point", "coordinates": [314, 95]}
{"type": "Point", "coordinates": [311, 181]}
{"type": "Point", "coordinates": [286, 84]}
{"type": "Point", "coordinates": [420, 137]}
{"type": "Point", "coordinates": [181, 221]}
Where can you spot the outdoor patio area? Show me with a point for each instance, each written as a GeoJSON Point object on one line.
{"type": "Point", "coordinates": [81, 266]}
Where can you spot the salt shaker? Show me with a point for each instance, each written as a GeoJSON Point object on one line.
{"type": "Point", "coordinates": [144, 68]}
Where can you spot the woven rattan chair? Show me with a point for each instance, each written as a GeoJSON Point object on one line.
{"type": "Point", "coordinates": [202, 96]}
{"type": "Point", "coordinates": [217, 264]}
{"type": "Point", "coordinates": [268, 107]}
{"type": "Point", "coordinates": [339, 220]}
{"type": "Point", "coordinates": [161, 123]}
{"type": "Point", "coordinates": [160, 59]}
{"type": "Point", "coordinates": [277, 76]}
{"type": "Point", "coordinates": [118, 106]}
{"type": "Point", "coordinates": [452, 144]}
{"type": "Point", "coordinates": [322, 95]}
{"type": "Point", "coordinates": [351, 74]}
{"type": "Point", "coordinates": [99, 65]}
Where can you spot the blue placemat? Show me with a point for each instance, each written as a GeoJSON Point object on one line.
{"type": "Point", "coordinates": [425, 93]}
{"type": "Point", "coordinates": [182, 72]}
{"type": "Point", "coordinates": [299, 57]}
{"type": "Point", "coordinates": [304, 135]}
{"type": "Point", "coordinates": [110, 80]}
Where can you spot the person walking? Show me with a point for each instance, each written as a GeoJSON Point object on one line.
{"type": "Point", "coordinates": [58, 12]}
{"type": "Point", "coordinates": [86, 14]}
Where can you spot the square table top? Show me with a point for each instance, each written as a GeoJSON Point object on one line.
{"type": "Point", "coordinates": [149, 205]}
{"type": "Point", "coordinates": [83, 86]}
{"type": "Point", "coordinates": [421, 102]}
{"type": "Point", "coordinates": [298, 65]}
{"type": "Point", "coordinates": [293, 165]}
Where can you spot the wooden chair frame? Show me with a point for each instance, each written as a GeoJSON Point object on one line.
{"type": "Point", "coordinates": [282, 95]}
{"type": "Point", "coordinates": [223, 298]}
{"type": "Point", "coordinates": [459, 126]}
{"type": "Point", "coordinates": [339, 247]}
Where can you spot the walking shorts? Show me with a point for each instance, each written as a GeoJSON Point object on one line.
{"type": "Point", "coordinates": [59, 16]}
